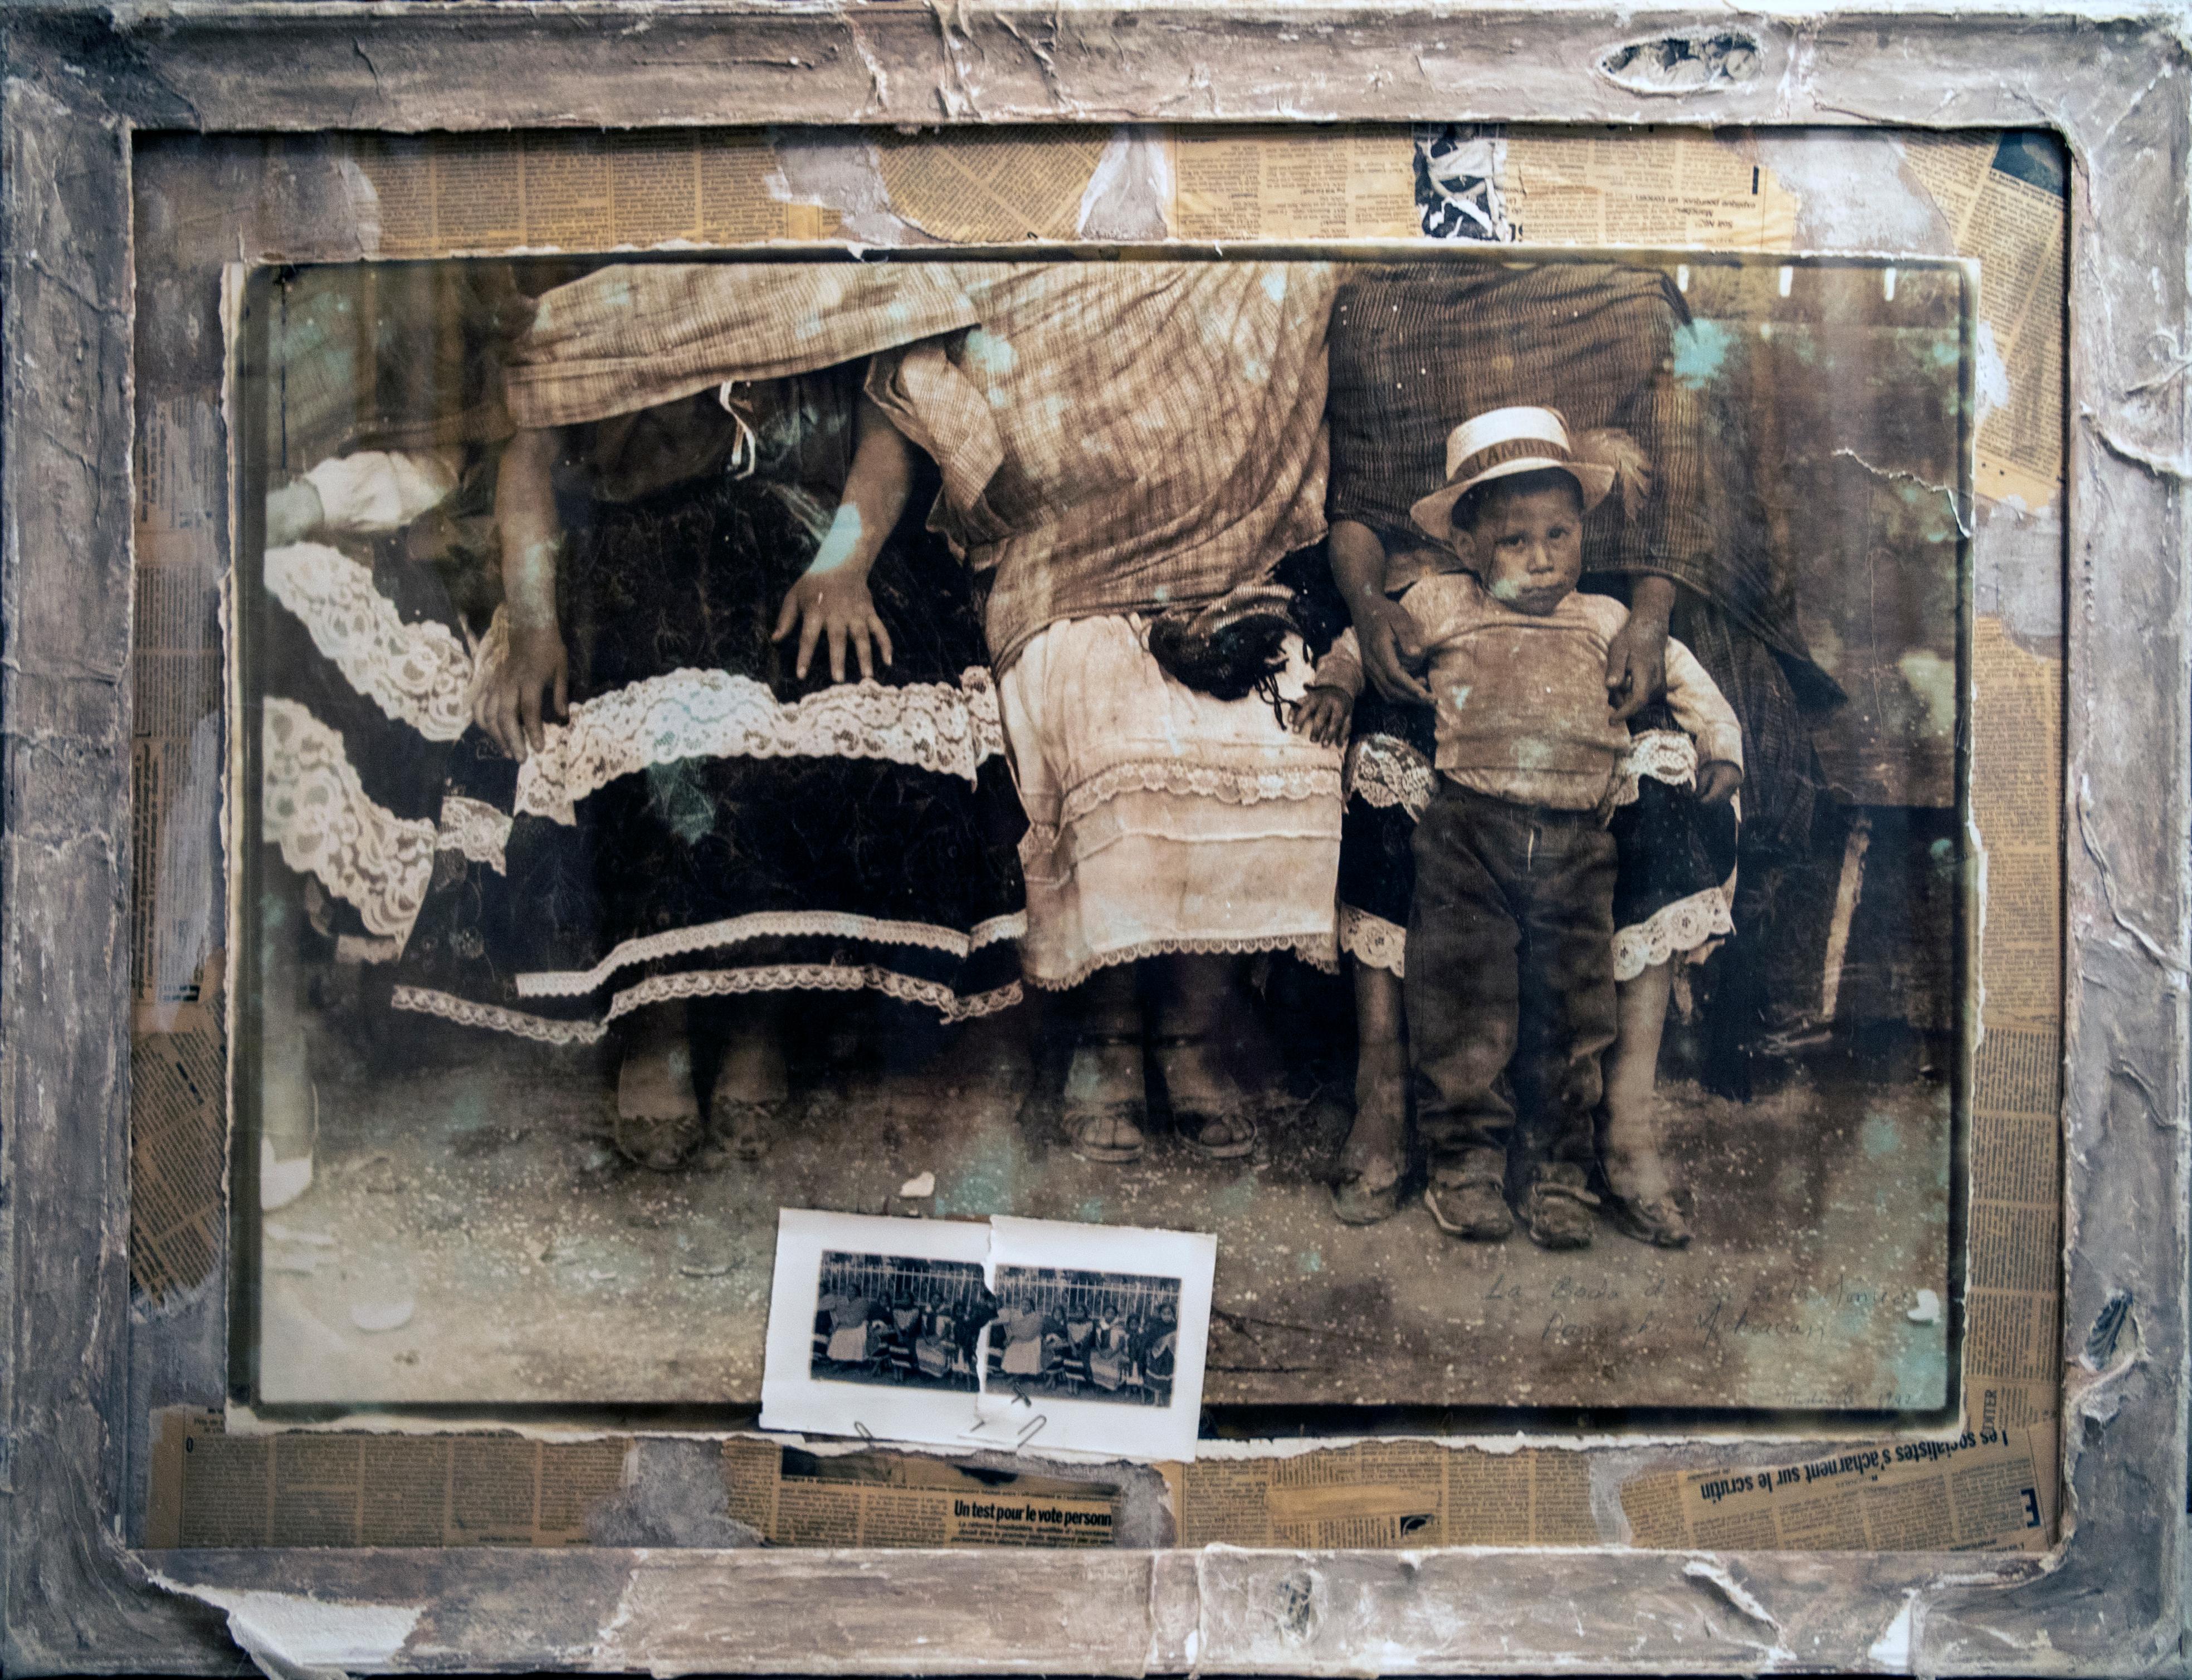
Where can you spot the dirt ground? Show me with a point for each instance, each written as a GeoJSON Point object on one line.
{"type": "Point", "coordinates": [469, 1237]}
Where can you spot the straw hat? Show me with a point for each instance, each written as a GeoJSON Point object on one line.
{"type": "Point", "coordinates": [1500, 444]}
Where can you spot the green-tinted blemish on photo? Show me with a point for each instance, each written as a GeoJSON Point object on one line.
{"type": "Point", "coordinates": [1235, 1200]}
{"type": "Point", "coordinates": [675, 794]}
{"type": "Point", "coordinates": [984, 1184]}
{"type": "Point", "coordinates": [1700, 349]}
{"type": "Point", "coordinates": [1308, 1261]}
{"type": "Point", "coordinates": [1879, 1137]}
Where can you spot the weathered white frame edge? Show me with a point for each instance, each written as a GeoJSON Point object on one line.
{"type": "Point", "coordinates": [79, 79]}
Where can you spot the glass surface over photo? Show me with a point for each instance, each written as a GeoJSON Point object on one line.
{"type": "Point", "coordinates": [1443, 773]}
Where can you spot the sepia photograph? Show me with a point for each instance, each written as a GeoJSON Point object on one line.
{"type": "Point", "coordinates": [1442, 775]}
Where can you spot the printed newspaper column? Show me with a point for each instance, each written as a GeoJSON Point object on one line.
{"type": "Point", "coordinates": [976, 186]}
{"type": "Point", "coordinates": [1294, 184]}
{"type": "Point", "coordinates": [1977, 1492]}
{"type": "Point", "coordinates": [1642, 188]}
{"type": "Point", "coordinates": [212, 1489]}
{"type": "Point", "coordinates": [1386, 1494]}
{"type": "Point", "coordinates": [2004, 199]}
{"type": "Point", "coordinates": [791, 1497]}
{"type": "Point", "coordinates": [580, 192]}
{"type": "Point", "coordinates": [2013, 1342]}
{"type": "Point", "coordinates": [177, 1100]}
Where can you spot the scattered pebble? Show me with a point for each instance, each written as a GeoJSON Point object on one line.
{"type": "Point", "coordinates": [375, 1317]}
{"type": "Point", "coordinates": [917, 1188]}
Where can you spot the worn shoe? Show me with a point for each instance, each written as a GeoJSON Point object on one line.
{"type": "Point", "coordinates": [661, 1143]}
{"type": "Point", "coordinates": [1475, 1209]}
{"type": "Point", "coordinates": [1556, 1208]}
{"type": "Point", "coordinates": [1657, 1219]}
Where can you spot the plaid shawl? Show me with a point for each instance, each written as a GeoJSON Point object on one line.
{"type": "Point", "coordinates": [1113, 438]}
{"type": "Point", "coordinates": [1121, 438]}
{"type": "Point", "coordinates": [636, 335]}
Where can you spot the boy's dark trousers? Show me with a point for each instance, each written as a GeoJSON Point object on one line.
{"type": "Point", "coordinates": [1509, 984]}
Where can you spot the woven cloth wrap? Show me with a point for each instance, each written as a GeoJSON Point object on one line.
{"type": "Point", "coordinates": [1113, 438]}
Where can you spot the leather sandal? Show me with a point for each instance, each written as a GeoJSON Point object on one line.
{"type": "Point", "coordinates": [661, 1143]}
{"type": "Point", "coordinates": [1657, 1219]}
{"type": "Point", "coordinates": [1234, 1122]}
{"type": "Point", "coordinates": [1110, 1132]}
{"type": "Point", "coordinates": [744, 1127]}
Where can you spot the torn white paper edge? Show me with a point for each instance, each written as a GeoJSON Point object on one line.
{"type": "Point", "coordinates": [1082, 1338]}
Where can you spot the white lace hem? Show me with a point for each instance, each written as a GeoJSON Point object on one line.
{"type": "Point", "coordinates": [313, 806]}
{"type": "Point", "coordinates": [1317, 950]}
{"type": "Point", "coordinates": [1373, 941]}
{"type": "Point", "coordinates": [1664, 754]}
{"type": "Point", "coordinates": [1673, 929]}
{"type": "Point", "coordinates": [418, 674]}
{"type": "Point", "coordinates": [475, 828]}
{"type": "Point", "coordinates": [944, 727]}
{"type": "Point", "coordinates": [1386, 772]}
{"type": "Point", "coordinates": [718, 983]}
{"type": "Point", "coordinates": [769, 924]}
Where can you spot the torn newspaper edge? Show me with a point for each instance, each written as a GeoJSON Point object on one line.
{"type": "Point", "coordinates": [1018, 1333]}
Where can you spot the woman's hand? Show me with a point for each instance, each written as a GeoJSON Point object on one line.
{"type": "Point", "coordinates": [1391, 644]}
{"type": "Point", "coordinates": [1322, 715]}
{"type": "Point", "coordinates": [1392, 649]}
{"type": "Point", "coordinates": [1636, 658]}
{"type": "Point", "coordinates": [514, 702]}
{"type": "Point", "coordinates": [1718, 782]}
{"type": "Point", "coordinates": [835, 604]}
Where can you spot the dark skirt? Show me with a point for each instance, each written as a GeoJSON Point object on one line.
{"type": "Point", "coordinates": [709, 826]}
{"type": "Point", "coordinates": [1676, 856]}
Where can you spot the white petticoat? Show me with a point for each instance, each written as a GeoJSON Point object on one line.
{"type": "Point", "coordinates": [1163, 819]}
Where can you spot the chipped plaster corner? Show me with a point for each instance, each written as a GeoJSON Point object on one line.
{"type": "Point", "coordinates": [291, 1636]}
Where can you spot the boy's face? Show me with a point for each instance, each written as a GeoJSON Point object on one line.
{"type": "Point", "coordinates": [1528, 546]}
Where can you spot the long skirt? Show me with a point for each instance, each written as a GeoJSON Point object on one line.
{"type": "Point", "coordinates": [1162, 819]}
{"type": "Point", "coordinates": [1672, 897]}
{"type": "Point", "coordinates": [705, 824]}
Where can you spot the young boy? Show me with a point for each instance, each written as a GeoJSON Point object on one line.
{"type": "Point", "coordinates": [1509, 987]}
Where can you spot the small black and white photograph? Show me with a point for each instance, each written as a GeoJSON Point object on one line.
{"type": "Point", "coordinates": [992, 1333]}
{"type": "Point", "coordinates": [1087, 1335]}
{"type": "Point", "coordinates": [896, 1319]}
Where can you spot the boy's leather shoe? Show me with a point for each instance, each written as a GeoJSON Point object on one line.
{"type": "Point", "coordinates": [1557, 1209]}
{"type": "Point", "coordinates": [1471, 1203]}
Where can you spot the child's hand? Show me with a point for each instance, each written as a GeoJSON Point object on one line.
{"type": "Point", "coordinates": [1718, 782]}
{"type": "Point", "coordinates": [1322, 715]}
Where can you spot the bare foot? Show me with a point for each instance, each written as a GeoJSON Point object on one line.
{"type": "Point", "coordinates": [658, 1113]}
{"type": "Point", "coordinates": [1376, 1153]}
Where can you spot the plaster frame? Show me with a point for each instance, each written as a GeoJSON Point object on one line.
{"type": "Point", "coordinates": [2112, 80]}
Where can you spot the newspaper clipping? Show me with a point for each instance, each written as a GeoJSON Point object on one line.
{"type": "Point", "coordinates": [791, 1497]}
